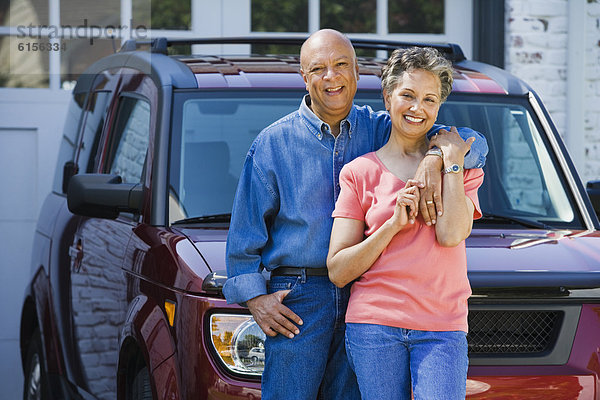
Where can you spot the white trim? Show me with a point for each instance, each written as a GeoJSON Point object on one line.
{"type": "Point", "coordinates": [126, 20]}
{"type": "Point", "coordinates": [314, 15]}
{"type": "Point", "coordinates": [54, 61]}
{"type": "Point", "coordinates": [458, 25]}
{"type": "Point", "coordinates": [382, 23]}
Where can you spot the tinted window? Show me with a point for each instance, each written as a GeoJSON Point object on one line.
{"type": "Point", "coordinates": [68, 142]}
{"type": "Point", "coordinates": [130, 140]}
{"type": "Point", "coordinates": [213, 131]}
{"type": "Point", "coordinates": [522, 177]}
{"type": "Point", "coordinates": [92, 129]}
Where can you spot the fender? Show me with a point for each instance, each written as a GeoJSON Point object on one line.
{"type": "Point", "coordinates": [147, 329]}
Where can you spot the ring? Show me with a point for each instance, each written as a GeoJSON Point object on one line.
{"type": "Point", "coordinates": [429, 202]}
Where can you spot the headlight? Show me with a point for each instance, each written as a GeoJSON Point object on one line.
{"type": "Point", "coordinates": [239, 343]}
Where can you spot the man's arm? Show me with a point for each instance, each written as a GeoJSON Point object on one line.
{"type": "Point", "coordinates": [247, 236]}
{"type": "Point", "coordinates": [430, 204]}
{"type": "Point", "coordinates": [254, 204]}
{"type": "Point", "coordinates": [475, 158]}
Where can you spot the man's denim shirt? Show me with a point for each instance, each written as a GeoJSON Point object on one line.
{"type": "Point", "coordinates": [288, 188]}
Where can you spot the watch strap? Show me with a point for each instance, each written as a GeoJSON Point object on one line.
{"type": "Point", "coordinates": [452, 169]}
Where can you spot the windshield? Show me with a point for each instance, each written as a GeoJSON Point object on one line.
{"type": "Point", "coordinates": [213, 131]}
{"type": "Point", "coordinates": [522, 179]}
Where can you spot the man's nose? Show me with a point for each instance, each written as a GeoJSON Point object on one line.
{"type": "Point", "coordinates": [330, 73]}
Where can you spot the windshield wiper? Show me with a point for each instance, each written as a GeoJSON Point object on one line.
{"type": "Point", "coordinates": [205, 219]}
{"type": "Point", "coordinates": [497, 218]}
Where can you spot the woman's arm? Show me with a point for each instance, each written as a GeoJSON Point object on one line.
{"type": "Point", "coordinates": [455, 224]}
{"type": "Point", "coordinates": [350, 256]}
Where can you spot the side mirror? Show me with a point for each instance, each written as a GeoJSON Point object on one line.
{"type": "Point", "coordinates": [213, 282]}
{"type": "Point", "coordinates": [103, 196]}
{"type": "Point", "coordinates": [593, 191]}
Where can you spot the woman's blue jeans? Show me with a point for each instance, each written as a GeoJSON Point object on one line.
{"type": "Point", "coordinates": [312, 365]}
{"type": "Point", "coordinates": [390, 361]}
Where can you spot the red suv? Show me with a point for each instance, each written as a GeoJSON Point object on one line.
{"type": "Point", "coordinates": [129, 255]}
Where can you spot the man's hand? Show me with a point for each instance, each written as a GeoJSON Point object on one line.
{"type": "Point", "coordinates": [430, 202]}
{"type": "Point", "coordinates": [451, 144]}
{"type": "Point", "coordinates": [272, 316]}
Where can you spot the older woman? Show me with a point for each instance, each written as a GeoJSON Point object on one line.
{"type": "Point", "coordinates": [407, 316]}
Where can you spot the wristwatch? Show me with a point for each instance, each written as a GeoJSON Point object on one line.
{"type": "Point", "coordinates": [453, 169]}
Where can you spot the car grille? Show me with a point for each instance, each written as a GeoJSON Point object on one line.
{"type": "Point", "coordinates": [512, 332]}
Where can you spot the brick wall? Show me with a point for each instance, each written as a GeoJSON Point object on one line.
{"type": "Point", "coordinates": [592, 88]}
{"type": "Point", "coordinates": [536, 51]}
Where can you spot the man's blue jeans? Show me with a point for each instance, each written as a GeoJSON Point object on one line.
{"type": "Point", "coordinates": [388, 359]}
{"type": "Point", "coordinates": [312, 365]}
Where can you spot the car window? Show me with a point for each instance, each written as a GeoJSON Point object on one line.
{"type": "Point", "coordinates": [68, 142]}
{"type": "Point", "coordinates": [130, 139]}
{"type": "Point", "coordinates": [94, 121]}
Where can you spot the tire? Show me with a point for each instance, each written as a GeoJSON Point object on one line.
{"type": "Point", "coordinates": [140, 387]}
{"type": "Point", "coordinates": [35, 386]}
{"type": "Point", "coordinates": [254, 360]}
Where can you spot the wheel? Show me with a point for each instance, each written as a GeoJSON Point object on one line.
{"type": "Point", "coordinates": [140, 387]}
{"type": "Point", "coordinates": [35, 386]}
{"type": "Point", "coordinates": [254, 360]}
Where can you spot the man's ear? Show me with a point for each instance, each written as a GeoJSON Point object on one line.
{"type": "Point", "coordinates": [356, 68]}
{"type": "Point", "coordinates": [304, 78]}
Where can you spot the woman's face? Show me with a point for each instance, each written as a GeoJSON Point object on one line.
{"type": "Point", "coordinates": [414, 103]}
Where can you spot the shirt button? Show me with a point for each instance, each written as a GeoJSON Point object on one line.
{"type": "Point", "coordinates": [336, 153]}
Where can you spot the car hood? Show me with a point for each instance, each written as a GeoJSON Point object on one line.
{"type": "Point", "coordinates": [533, 258]}
{"type": "Point", "coordinates": [495, 258]}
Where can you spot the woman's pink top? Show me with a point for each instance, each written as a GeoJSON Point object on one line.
{"type": "Point", "coordinates": [415, 283]}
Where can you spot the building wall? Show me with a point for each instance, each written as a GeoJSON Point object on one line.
{"type": "Point", "coordinates": [539, 50]}
{"type": "Point", "coordinates": [591, 168]}
{"type": "Point", "coordinates": [30, 127]}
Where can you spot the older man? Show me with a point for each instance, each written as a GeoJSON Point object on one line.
{"type": "Point", "coordinates": [281, 222]}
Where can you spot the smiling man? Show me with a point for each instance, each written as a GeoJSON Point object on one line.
{"type": "Point", "coordinates": [281, 222]}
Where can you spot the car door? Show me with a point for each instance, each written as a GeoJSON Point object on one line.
{"type": "Point", "coordinates": [98, 284]}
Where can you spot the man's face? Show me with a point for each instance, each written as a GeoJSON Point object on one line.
{"type": "Point", "coordinates": [330, 71]}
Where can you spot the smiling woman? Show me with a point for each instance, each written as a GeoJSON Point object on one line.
{"type": "Point", "coordinates": [392, 257]}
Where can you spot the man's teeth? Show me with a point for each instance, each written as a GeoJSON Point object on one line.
{"type": "Point", "coordinates": [413, 119]}
{"type": "Point", "coordinates": [335, 89]}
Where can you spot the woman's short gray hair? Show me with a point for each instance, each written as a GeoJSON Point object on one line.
{"type": "Point", "coordinates": [425, 58]}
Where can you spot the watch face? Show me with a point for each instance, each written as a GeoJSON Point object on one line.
{"type": "Point", "coordinates": [455, 168]}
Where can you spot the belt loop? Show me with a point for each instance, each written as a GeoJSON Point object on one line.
{"type": "Point", "coordinates": [303, 274]}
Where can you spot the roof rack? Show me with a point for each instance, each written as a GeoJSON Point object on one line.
{"type": "Point", "coordinates": [451, 51]}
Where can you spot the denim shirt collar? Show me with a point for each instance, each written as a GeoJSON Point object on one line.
{"type": "Point", "coordinates": [318, 128]}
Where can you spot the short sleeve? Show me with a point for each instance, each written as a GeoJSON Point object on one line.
{"type": "Point", "coordinates": [348, 204]}
{"type": "Point", "coordinates": [473, 178]}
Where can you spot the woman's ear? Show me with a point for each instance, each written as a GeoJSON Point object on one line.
{"type": "Point", "coordinates": [386, 100]}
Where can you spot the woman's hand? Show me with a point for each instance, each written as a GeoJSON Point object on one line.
{"type": "Point", "coordinates": [407, 205]}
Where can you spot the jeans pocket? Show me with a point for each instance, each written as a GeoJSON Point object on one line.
{"type": "Point", "coordinates": [278, 283]}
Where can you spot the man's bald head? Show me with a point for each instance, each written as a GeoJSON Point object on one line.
{"type": "Point", "coordinates": [320, 38]}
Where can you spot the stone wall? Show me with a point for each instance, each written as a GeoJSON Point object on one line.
{"type": "Point", "coordinates": [536, 51]}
